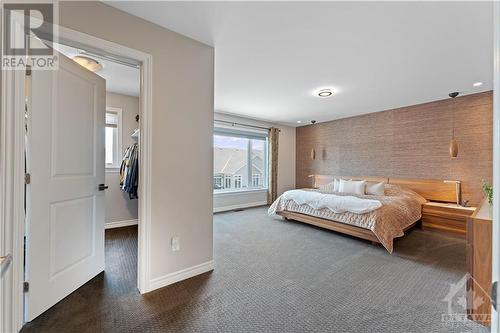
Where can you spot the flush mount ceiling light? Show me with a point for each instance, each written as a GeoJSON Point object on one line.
{"type": "Point", "coordinates": [299, 121]}
{"type": "Point", "coordinates": [87, 62]}
{"type": "Point", "coordinates": [477, 84]}
{"type": "Point", "coordinates": [324, 92]}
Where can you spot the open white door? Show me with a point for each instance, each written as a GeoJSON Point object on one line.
{"type": "Point", "coordinates": [65, 159]}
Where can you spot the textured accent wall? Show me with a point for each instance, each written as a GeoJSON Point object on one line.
{"type": "Point", "coordinates": [408, 142]}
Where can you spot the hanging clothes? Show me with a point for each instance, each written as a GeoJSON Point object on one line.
{"type": "Point", "coordinates": [129, 171]}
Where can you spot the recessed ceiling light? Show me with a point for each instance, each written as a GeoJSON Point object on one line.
{"type": "Point", "coordinates": [477, 84]}
{"type": "Point", "coordinates": [87, 62]}
{"type": "Point", "coordinates": [324, 92]}
{"type": "Point", "coordinates": [299, 121]}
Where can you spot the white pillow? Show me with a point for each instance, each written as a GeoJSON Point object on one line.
{"type": "Point", "coordinates": [352, 186]}
{"type": "Point", "coordinates": [336, 183]}
{"type": "Point", "coordinates": [321, 180]}
{"type": "Point", "coordinates": [330, 187]}
{"type": "Point", "coordinates": [375, 188]}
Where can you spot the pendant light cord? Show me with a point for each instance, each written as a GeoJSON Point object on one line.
{"type": "Point", "coordinates": [453, 95]}
{"type": "Point", "coordinates": [453, 119]}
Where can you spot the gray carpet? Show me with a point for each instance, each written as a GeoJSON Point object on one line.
{"type": "Point", "coordinates": [275, 276]}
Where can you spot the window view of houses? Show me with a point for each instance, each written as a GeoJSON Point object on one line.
{"type": "Point", "coordinates": [239, 163]}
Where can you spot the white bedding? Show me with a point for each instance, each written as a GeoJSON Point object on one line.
{"type": "Point", "coordinates": [336, 203]}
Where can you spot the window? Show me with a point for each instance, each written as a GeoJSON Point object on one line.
{"type": "Point", "coordinates": [237, 181]}
{"type": "Point", "coordinates": [113, 138]}
{"type": "Point", "coordinates": [255, 180]}
{"type": "Point", "coordinates": [217, 182]}
{"type": "Point", "coordinates": [240, 160]}
{"type": "Point", "coordinates": [228, 182]}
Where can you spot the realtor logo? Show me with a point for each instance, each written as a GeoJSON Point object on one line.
{"type": "Point", "coordinates": [27, 29]}
{"type": "Point", "coordinates": [469, 305]}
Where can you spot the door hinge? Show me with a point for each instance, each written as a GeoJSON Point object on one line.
{"type": "Point", "coordinates": [494, 294]}
{"type": "Point", "coordinates": [26, 286]}
{"type": "Point", "coordinates": [27, 178]}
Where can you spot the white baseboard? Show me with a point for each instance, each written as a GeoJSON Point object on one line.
{"type": "Point", "coordinates": [246, 205]}
{"type": "Point", "coordinates": [183, 274]}
{"type": "Point", "coordinates": [118, 224]}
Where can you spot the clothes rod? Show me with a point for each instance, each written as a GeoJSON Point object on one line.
{"type": "Point", "coordinates": [232, 123]}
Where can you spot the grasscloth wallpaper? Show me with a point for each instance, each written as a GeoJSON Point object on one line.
{"type": "Point", "coordinates": [408, 142]}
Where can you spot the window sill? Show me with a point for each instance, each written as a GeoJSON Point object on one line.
{"type": "Point", "coordinates": [257, 190]}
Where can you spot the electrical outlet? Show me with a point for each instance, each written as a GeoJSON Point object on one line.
{"type": "Point", "coordinates": [176, 244]}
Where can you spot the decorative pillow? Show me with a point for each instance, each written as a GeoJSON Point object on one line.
{"type": "Point", "coordinates": [375, 188]}
{"type": "Point", "coordinates": [352, 186]}
{"type": "Point", "coordinates": [330, 187]}
{"type": "Point", "coordinates": [321, 180]}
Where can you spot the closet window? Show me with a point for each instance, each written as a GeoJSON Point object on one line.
{"type": "Point", "coordinates": [113, 138]}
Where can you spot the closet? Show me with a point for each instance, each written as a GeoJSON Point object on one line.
{"type": "Point", "coordinates": [129, 169]}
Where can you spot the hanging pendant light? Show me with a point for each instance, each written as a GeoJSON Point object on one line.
{"type": "Point", "coordinates": [313, 152]}
{"type": "Point", "coordinates": [453, 142]}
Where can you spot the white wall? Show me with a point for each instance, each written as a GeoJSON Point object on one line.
{"type": "Point", "coordinates": [119, 208]}
{"type": "Point", "coordinates": [183, 104]}
{"type": "Point", "coordinates": [286, 167]}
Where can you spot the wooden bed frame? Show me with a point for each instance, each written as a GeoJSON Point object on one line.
{"type": "Point", "coordinates": [430, 189]}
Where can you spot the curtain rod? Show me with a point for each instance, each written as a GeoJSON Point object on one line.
{"type": "Point", "coordinates": [232, 123]}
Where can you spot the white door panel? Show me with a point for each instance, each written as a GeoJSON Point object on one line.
{"type": "Point", "coordinates": [65, 236]}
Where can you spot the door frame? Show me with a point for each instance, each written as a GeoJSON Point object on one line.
{"type": "Point", "coordinates": [12, 145]}
{"type": "Point", "coordinates": [495, 319]}
{"type": "Point", "coordinates": [12, 197]}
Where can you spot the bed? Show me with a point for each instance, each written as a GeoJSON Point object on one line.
{"type": "Point", "coordinates": [401, 208]}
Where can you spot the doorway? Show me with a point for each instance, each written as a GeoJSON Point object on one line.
{"type": "Point", "coordinates": [14, 127]}
{"type": "Point", "coordinates": [80, 227]}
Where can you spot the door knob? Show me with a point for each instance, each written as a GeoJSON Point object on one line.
{"type": "Point", "coordinates": [102, 187]}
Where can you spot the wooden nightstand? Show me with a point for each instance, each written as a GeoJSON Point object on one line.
{"type": "Point", "coordinates": [446, 217]}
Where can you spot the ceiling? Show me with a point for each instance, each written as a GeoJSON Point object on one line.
{"type": "Point", "coordinates": [271, 56]}
{"type": "Point", "coordinates": [120, 79]}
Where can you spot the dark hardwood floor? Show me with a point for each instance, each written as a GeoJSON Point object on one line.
{"type": "Point", "coordinates": [110, 302]}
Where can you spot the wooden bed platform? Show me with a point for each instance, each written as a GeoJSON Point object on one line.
{"type": "Point", "coordinates": [332, 225]}
{"type": "Point", "coordinates": [343, 228]}
{"type": "Point", "coordinates": [430, 189]}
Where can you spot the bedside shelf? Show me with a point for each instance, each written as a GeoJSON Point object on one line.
{"type": "Point", "coordinates": [479, 254]}
{"type": "Point", "coordinates": [446, 217]}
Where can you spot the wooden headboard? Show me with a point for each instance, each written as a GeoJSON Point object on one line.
{"type": "Point", "coordinates": [368, 179]}
{"type": "Point", "coordinates": [432, 189]}
{"type": "Point", "coordinates": [318, 180]}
